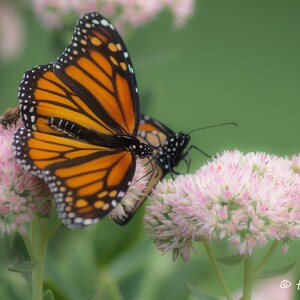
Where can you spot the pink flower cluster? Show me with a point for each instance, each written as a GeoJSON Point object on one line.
{"type": "Point", "coordinates": [12, 33]}
{"type": "Point", "coordinates": [245, 199]}
{"type": "Point", "coordinates": [21, 193]}
{"type": "Point", "coordinates": [121, 12]}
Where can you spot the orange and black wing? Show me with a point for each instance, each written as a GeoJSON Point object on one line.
{"type": "Point", "coordinates": [154, 133]}
{"type": "Point", "coordinates": [87, 181]}
{"type": "Point", "coordinates": [97, 66]}
{"type": "Point", "coordinates": [92, 83]}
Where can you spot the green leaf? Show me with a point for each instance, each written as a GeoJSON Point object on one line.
{"type": "Point", "coordinates": [48, 295]}
{"type": "Point", "coordinates": [18, 249]}
{"type": "Point", "coordinates": [201, 295]}
{"type": "Point", "coordinates": [26, 266]}
{"type": "Point", "coordinates": [24, 269]}
{"type": "Point", "coordinates": [231, 260]}
{"type": "Point", "coordinates": [276, 272]}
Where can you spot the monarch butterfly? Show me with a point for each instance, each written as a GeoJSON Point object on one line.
{"type": "Point", "coordinates": [169, 149]}
{"type": "Point", "coordinates": [81, 116]}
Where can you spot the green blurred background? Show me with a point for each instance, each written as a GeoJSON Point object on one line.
{"type": "Point", "coordinates": [234, 60]}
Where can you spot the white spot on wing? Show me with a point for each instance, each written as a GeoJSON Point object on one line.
{"type": "Point", "coordinates": [104, 22]}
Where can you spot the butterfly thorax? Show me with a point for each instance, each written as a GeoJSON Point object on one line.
{"type": "Point", "coordinates": [122, 142]}
{"type": "Point", "coordinates": [173, 150]}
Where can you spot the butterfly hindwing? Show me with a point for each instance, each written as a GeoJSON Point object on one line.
{"type": "Point", "coordinates": [86, 180]}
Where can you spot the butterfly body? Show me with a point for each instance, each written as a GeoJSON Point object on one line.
{"type": "Point", "coordinates": [81, 116]}
{"type": "Point", "coordinates": [121, 142]}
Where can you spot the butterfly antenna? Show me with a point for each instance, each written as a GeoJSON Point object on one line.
{"type": "Point", "coordinates": [212, 126]}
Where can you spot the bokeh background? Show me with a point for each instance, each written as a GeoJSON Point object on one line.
{"type": "Point", "coordinates": [232, 60]}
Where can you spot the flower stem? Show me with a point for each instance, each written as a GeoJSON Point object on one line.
{"type": "Point", "coordinates": [39, 244]}
{"type": "Point", "coordinates": [217, 270]}
{"type": "Point", "coordinates": [247, 289]}
{"type": "Point", "coordinates": [266, 259]}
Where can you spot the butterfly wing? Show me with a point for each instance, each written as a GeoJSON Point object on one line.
{"type": "Point", "coordinates": [97, 66]}
{"type": "Point", "coordinates": [92, 83]}
{"type": "Point", "coordinates": [154, 127]}
{"type": "Point", "coordinates": [87, 181]}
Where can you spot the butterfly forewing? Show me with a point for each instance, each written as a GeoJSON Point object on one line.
{"type": "Point", "coordinates": [97, 67]}
{"type": "Point", "coordinates": [42, 94]}
{"type": "Point", "coordinates": [155, 127]}
{"type": "Point", "coordinates": [87, 181]}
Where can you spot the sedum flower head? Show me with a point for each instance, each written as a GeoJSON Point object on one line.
{"type": "Point", "coordinates": [245, 199]}
{"type": "Point", "coordinates": [21, 193]}
{"type": "Point", "coordinates": [122, 12]}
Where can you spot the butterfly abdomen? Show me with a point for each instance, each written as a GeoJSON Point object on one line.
{"type": "Point", "coordinates": [122, 142]}
{"type": "Point", "coordinates": [66, 127]}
